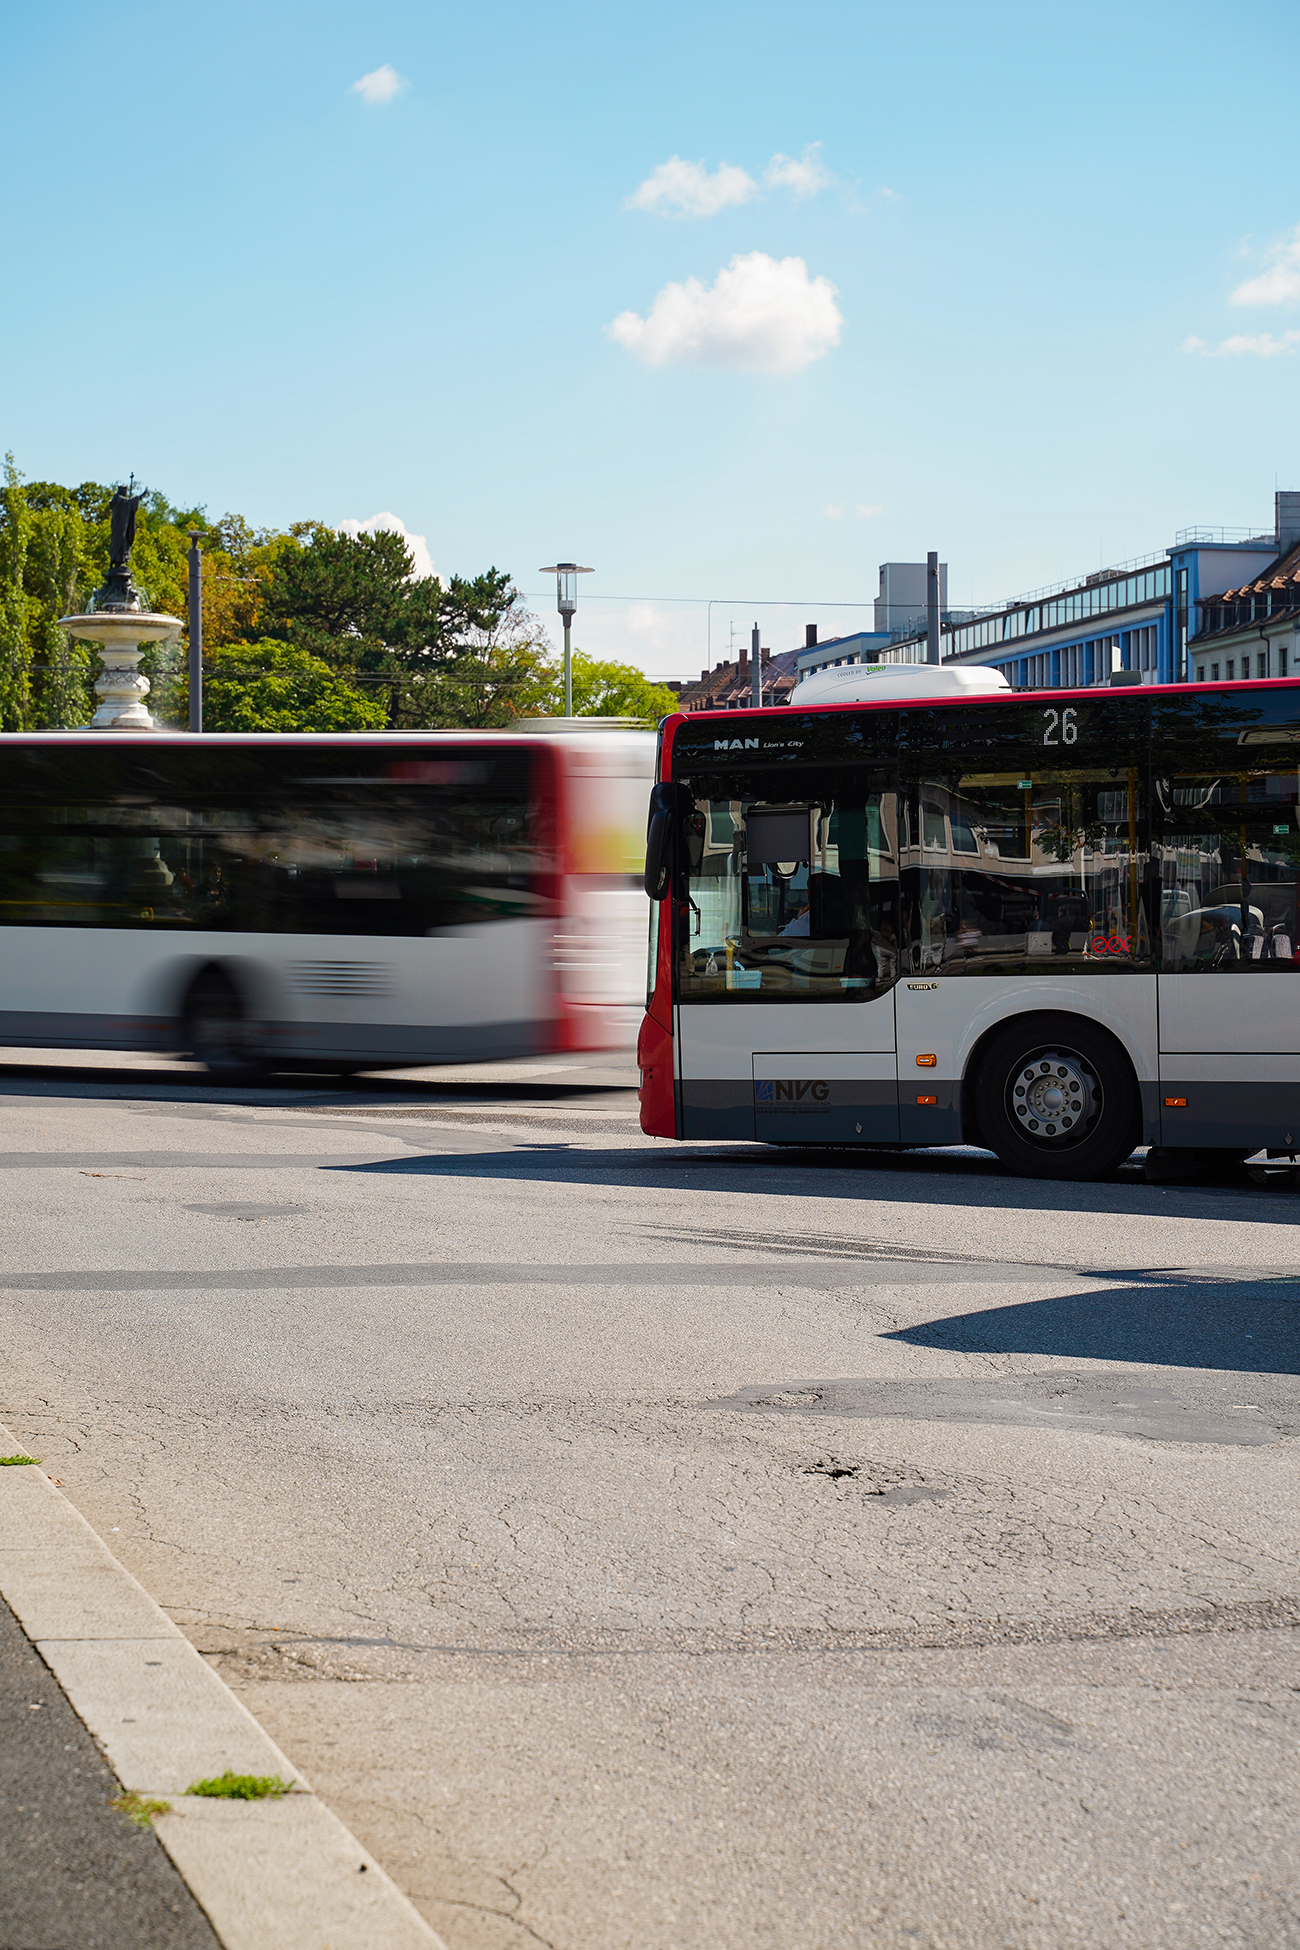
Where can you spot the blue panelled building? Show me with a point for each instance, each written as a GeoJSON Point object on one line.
{"type": "Point", "coordinates": [1219, 605]}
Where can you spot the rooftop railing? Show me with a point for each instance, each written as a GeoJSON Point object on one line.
{"type": "Point", "coordinates": [1222, 537]}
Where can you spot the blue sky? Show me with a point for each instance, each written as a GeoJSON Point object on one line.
{"type": "Point", "coordinates": [1022, 283]}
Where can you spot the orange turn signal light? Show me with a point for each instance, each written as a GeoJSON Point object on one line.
{"type": "Point", "coordinates": [1175, 1103]}
{"type": "Point", "coordinates": [925, 1062]}
{"type": "Point", "coordinates": [927, 1100]}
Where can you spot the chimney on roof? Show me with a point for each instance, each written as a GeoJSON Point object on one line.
{"type": "Point", "coordinates": [810, 636]}
{"type": "Point", "coordinates": [704, 677]}
{"type": "Point", "coordinates": [766, 653]}
{"type": "Point", "coordinates": [744, 661]}
{"type": "Point", "coordinates": [1287, 511]}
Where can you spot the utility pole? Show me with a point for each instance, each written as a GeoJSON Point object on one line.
{"type": "Point", "coordinates": [756, 657]}
{"type": "Point", "coordinates": [196, 633]}
{"type": "Point", "coordinates": [932, 607]}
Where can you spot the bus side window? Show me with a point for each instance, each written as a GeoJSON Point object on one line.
{"type": "Point", "coordinates": [1045, 871]}
{"type": "Point", "coordinates": [1229, 859]}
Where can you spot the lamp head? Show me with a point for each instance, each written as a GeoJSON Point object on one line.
{"type": "Point", "coordinates": [566, 584]}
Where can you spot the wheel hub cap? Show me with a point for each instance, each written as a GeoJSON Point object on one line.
{"type": "Point", "coordinates": [1053, 1096]}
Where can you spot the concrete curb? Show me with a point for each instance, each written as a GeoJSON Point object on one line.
{"type": "Point", "coordinates": [283, 1872]}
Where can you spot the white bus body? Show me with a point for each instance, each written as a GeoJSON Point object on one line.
{"type": "Point", "coordinates": [351, 901]}
{"type": "Point", "coordinates": [1059, 924]}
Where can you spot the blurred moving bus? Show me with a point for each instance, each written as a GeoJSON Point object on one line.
{"type": "Point", "coordinates": [1056, 924]}
{"type": "Point", "coordinates": [342, 902]}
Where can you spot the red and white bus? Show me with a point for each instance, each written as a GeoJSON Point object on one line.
{"type": "Point", "coordinates": [918, 908]}
{"type": "Point", "coordinates": [344, 902]}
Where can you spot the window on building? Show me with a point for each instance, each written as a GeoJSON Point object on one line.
{"type": "Point", "coordinates": [1231, 669]}
{"type": "Point", "coordinates": [1200, 673]}
{"type": "Point", "coordinates": [1214, 673]}
{"type": "Point", "coordinates": [1263, 663]}
{"type": "Point", "coordinates": [1142, 647]}
{"type": "Point", "coordinates": [1281, 660]}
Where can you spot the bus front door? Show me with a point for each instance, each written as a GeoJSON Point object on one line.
{"type": "Point", "coordinates": [820, 1095]}
{"type": "Point", "coordinates": [786, 962]}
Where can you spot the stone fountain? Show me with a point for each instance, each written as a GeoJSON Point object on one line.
{"type": "Point", "coordinates": [118, 622]}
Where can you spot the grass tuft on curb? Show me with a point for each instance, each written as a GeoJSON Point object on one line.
{"type": "Point", "coordinates": [139, 1809]}
{"type": "Point", "coordinates": [241, 1787]}
{"type": "Point", "coordinates": [15, 1462]}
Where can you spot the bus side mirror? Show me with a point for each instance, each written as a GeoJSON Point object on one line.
{"type": "Point", "coordinates": [659, 841]}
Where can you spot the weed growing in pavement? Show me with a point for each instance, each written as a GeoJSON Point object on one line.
{"type": "Point", "coordinates": [138, 1809]}
{"type": "Point", "coordinates": [241, 1787]}
{"type": "Point", "coordinates": [13, 1462]}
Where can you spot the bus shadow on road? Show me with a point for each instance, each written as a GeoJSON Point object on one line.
{"type": "Point", "coordinates": [1239, 1326]}
{"type": "Point", "coordinates": [965, 1178]}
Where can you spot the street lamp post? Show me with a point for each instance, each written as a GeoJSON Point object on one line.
{"type": "Point", "coordinates": [566, 601]}
{"type": "Point", "coordinates": [196, 631]}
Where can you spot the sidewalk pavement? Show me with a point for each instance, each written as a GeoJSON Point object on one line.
{"type": "Point", "coordinates": [75, 1874]}
{"type": "Point", "coordinates": [99, 1694]}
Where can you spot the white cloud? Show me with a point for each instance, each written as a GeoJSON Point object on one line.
{"type": "Point", "coordinates": [689, 189]}
{"type": "Point", "coordinates": [422, 561]}
{"type": "Point", "coordinates": [686, 189]}
{"type": "Point", "coordinates": [1261, 345]}
{"type": "Point", "coordinates": [379, 86]}
{"type": "Point", "coordinates": [865, 510]}
{"type": "Point", "coordinates": [1280, 283]}
{"type": "Point", "coordinates": [805, 175]}
{"type": "Point", "coordinates": [761, 314]}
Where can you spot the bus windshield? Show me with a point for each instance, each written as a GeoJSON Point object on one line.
{"type": "Point", "coordinates": [793, 898]}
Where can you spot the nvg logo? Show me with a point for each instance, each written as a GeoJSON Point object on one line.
{"type": "Point", "coordinates": [793, 1090]}
{"type": "Point", "coordinates": [735, 745]}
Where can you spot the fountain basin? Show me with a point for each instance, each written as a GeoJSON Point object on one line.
{"type": "Point", "coordinates": [123, 636]}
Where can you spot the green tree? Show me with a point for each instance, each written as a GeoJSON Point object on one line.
{"type": "Point", "coordinates": [463, 653]}
{"type": "Point", "coordinates": [374, 644]}
{"type": "Point", "coordinates": [15, 604]}
{"type": "Point", "coordinates": [353, 598]}
{"type": "Point", "coordinates": [63, 670]}
{"type": "Point", "coordinates": [44, 567]}
{"type": "Point", "coordinates": [271, 685]}
{"type": "Point", "coordinates": [609, 690]}
{"type": "Point", "coordinates": [490, 666]}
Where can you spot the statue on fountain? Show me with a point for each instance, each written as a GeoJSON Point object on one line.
{"type": "Point", "coordinates": [118, 592]}
{"type": "Point", "coordinates": [118, 621]}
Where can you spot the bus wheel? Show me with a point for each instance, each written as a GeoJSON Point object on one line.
{"type": "Point", "coordinates": [217, 1032]}
{"type": "Point", "coordinates": [1057, 1099]}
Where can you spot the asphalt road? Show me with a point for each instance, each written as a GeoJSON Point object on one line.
{"type": "Point", "coordinates": [673, 1547]}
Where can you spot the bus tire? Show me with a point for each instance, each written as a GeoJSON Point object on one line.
{"type": "Point", "coordinates": [217, 1030]}
{"type": "Point", "coordinates": [1057, 1098]}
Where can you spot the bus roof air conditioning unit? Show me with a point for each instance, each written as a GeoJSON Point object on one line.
{"type": "Point", "coordinates": [892, 683]}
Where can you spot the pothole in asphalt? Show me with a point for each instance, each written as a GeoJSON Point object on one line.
{"type": "Point", "coordinates": [868, 1477]}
